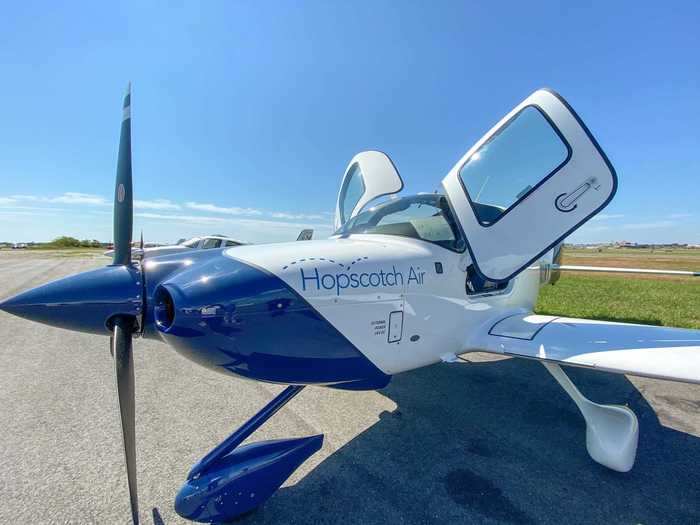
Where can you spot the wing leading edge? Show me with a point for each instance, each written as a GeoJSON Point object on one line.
{"type": "Point", "coordinates": [651, 351]}
{"type": "Point", "coordinates": [610, 269]}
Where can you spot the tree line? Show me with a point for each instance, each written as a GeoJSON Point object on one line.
{"type": "Point", "coordinates": [72, 242]}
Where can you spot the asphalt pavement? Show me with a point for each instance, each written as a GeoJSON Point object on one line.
{"type": "Point", "coordinates": [487, 442]}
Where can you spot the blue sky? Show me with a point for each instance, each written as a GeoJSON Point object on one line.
{"type": "Point", "coordinates": [245, 114]}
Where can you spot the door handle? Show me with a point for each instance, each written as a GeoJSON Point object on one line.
{"type": "Point", "coordinates": [566, 202]}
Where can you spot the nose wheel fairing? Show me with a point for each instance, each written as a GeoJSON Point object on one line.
{"type": "Point", "coordinates": [243, 480]}
{"type": "Point", "coordinates": [231, 480]}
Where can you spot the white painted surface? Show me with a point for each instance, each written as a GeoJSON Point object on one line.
{"type": "Point", "coordinates": [523, 233]}
{"type": "Point", "coordinates": [651, 351]}
{"type": "Point", "coordinates": [612, 431]}
{"type": "Point", "coordinates": [437, 309]}
{"type": "Point", "coordinates": [610, 269]}
{"type": "Point", "coordinates": [379, 175]}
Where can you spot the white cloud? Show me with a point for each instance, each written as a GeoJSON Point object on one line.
{"type": "Point", "coordinates": [80, 198]}
{"type": "Point", "coordinates": [248, 218]}
{"type": "Point", "coordinates": [70, 197]}
{"type": "Point", "coordinates": [647, 225]}
{"type": "Point", "coordinates": [156, 204]}
{"type": "Point", "coordinates": [235, 210]}
{"type": "Point", "coordinates": [276, 224]}
{"type": "Point", "coordinates": [194, 219]}
{"type": "Point", "coordinates": [679, 215]}
{"type": "Point", "coordinates": [14, 207]}
{"type": "Point", "coordinates": [297, 216]}
{"type": "Point", "coordinates": [212, 208]}
{"type": "Point", "coordinates": [32, 198]}
{"type": "Point", "coordinates": [25, 213]}
{"type": "Point", "coordinates": [205, 219]}
{"type": "Point", "coordinates": [591, 229]}
{"type": "Point", "coordinates": [607, 216]}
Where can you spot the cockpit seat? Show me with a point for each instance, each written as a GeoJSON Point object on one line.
{"type": "Point", "coordinates": [405, 229]}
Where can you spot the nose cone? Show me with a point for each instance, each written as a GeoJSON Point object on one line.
{"type": "Point", "coordinates": [84, 302]}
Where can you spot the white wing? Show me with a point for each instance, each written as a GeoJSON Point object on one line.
{"type": "Point", "coordinates": [652, 351]}
{"type": "Point", "coordinates": [610, 269]}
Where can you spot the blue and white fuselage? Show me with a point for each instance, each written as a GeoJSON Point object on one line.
{"type": "Point", "coordinates": [347, 312]}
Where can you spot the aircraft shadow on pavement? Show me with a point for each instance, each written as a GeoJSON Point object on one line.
{"type": "Point", "coordinates": [495, 442]}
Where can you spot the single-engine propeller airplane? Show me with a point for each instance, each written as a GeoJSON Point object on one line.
{"type": "Point", "coordinates": [403, 284]}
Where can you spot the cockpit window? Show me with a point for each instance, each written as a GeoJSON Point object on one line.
{"type": "Point", "coordinates": [424, 217]}
{"type": "Point", "coordinates": [192, 242]}
{"type": "Point", "coordinates": [211, 243]}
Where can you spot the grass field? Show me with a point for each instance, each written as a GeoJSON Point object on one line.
{"type": "Point", "coordinates": [658, 300]}
{"type": "Point", "coordinates": [48, 251]}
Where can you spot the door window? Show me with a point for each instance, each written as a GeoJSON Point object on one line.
{"type": "Point", "coordinates": [352, 192]}
{"type": "Point", "coordinates": [512, 163]}
{"type": "Point", "coordinates": [527, 184]}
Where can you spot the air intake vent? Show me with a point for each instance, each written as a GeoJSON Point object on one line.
{"type": "Point", "coordinates": [164, 309]}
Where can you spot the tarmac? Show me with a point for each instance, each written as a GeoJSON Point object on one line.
{"type": "Point", "coordinates": [490, 442]}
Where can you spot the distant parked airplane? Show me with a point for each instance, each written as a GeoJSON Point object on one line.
{"type": "Point", "coordinates": [195, 243]}
{"type": "Point", "coordinates": [305, 235]}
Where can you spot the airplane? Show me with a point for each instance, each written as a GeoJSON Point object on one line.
{"type": "Point", "coordinates": [402, 284]}
{"type": "Point", "coordinates": [207, 242]}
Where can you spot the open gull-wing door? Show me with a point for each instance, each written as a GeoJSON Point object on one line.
{"type": "Point", "coordinates": [369, 175]}
{"type": "Point", "coordinates": [534, 178]}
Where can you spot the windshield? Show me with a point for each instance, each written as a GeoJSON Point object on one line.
{"type": "Point", "coordinates": [424, 217]}
{"type": "Point", "coordinates": [191, 243]}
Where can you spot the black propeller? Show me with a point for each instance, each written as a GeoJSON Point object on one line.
{"type": "Point", "coordinates": [123, 197]}
{"type": "Point", "coordinates": [109, 297]}
{"type": "Point", "coordinates": [124, 326]}
{"type": "Point", "coordinates": [124, 370]}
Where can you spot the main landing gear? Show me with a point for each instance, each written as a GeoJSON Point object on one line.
{"type": "Point", "coordinates": [612, 431]}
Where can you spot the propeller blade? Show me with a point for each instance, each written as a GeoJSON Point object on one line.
{"type": "Point", "coordinates": [141, 243]}
{"type": "Point", "coordinates": [123, 198]}
{"type": "Point", "coordinates": [124, 368]}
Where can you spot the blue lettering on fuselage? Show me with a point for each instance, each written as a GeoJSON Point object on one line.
{"type": "Point", "coordinates": [314, 280]}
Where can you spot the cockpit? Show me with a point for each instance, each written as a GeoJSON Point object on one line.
{"type": "Point", "coordinates": [425, 216]}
